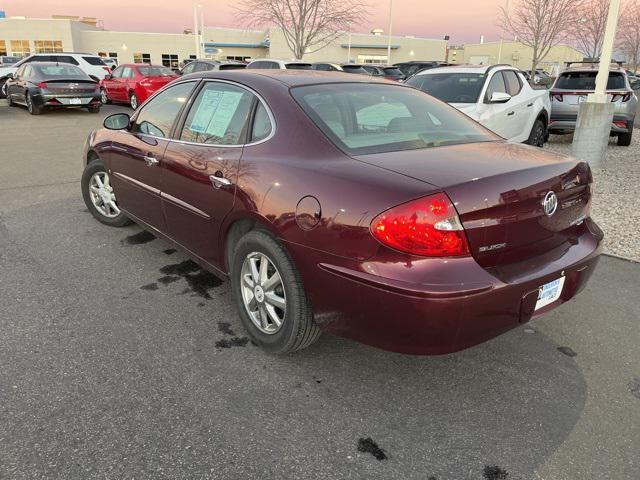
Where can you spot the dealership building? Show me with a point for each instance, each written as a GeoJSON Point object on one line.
{"type": "Point", "coordinates": [21, 36]}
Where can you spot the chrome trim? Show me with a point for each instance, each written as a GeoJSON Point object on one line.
{"type": "Point", "coordinates": [185, 205]}
{"type": "Point", "coordinates": [138, 183]}
{"type": "Point", "coordinates": [219, 182]}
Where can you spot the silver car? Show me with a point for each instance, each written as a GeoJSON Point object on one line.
{"type": "Point", "coordinates": [571, 89]}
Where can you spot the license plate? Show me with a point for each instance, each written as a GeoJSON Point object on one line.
{"type": "Point", "coordinates": [75, 101]}
{"type": "Point", "coordinates": [549, 292]}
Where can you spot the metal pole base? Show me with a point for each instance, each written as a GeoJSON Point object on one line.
{"type": "Point", "coordinates": [591, 138]}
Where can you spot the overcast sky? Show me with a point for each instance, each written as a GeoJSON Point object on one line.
{"type": "Point", "coordinates": [463, 20]}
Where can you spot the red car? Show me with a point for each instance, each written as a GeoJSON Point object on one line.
{"type": "Point", "coordinates": [133, 83]}
{"type": "Point", "coordinates": [341, 203]}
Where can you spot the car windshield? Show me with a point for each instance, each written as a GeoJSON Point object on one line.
{"type": "Point", "coordinates": [8, 60]}
{"type": "Point", "coordinates": [450, 87]}
{"type": "Point", "coordinates": [155, 71]}
{"type": "Point", "coordinates": [587, 81]}
{"type": "Point", "coordinates": [60, 70]}
{"type": "Point", "coordinates": [369, 118]}
{"type": "Point", "coordinates": [298, 66]}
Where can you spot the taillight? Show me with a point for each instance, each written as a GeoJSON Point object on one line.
{"type": "Point", "coordinates": [427, 227]}
{"type": "Point", "coordinates": [42, 85]}
{"type": "Point", "coordinates": [625, 97]}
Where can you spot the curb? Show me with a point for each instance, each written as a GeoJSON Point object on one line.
{"type": "Point", "coordinates": [621, 257]}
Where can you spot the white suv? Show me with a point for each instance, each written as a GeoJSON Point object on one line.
{"type": "Point", "coordinates": [92, 65]}
{"type": "Point", "coordinates": [268, 63]}
{"type": "Point", "coordinates": [496, 96]}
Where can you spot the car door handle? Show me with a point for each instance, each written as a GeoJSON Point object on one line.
{"type": "Point", "coordinates": [219, 181]}
{"type": "Point", "coordinates": [510, 113]}
{"type": "Point", "coordinates": [151, 162]}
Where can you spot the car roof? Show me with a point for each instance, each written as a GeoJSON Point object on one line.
{"type": "Point", "coordinates": [483, 69]}
{"type": "Point", "coordinates": [290, 78]}
{"type": "Point", "coordinates": [589, 67]}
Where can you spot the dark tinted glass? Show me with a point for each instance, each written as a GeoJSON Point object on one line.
{"type": "Point", "coordinates": [94, 61]}
{"type": "Point", "coordinates": [298, 66]}
{"type": "Point", "coordinates": [322, 66]}
{"type": "Point", "coordinates": [513, 82]}
{"type": "Point", "coordinates": [369, 118]}
{"type": "Point", "coordinates": [354, 69]}
{"type": "Point", "coordinates": [64, 59]}
{"type": "Point", "coordinates": [157, 116]}
{"type": "Point", "coordinates": [450, 87]}
{"type": "Point", "coordinates": [219, 115]}
{"type": "Point", "coordinates": [393, 71]}
{"type": "Point", "coordinates": [9, 60]}
{"type": "Point", "coordinates": [155, 71]}
{"type": "Point", "coordinates": [232, 66]}
{"type": "Point", "coordinates": [587, 81]}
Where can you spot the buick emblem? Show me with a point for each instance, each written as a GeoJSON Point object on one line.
{"type": "Point", "coordinates": [550, 203]}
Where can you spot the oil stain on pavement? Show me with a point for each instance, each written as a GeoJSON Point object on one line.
{"type": "Point", "coordinates": [234, 341]}
{"type": "Point", "coordinates": [494, 472]}
{"type": "Point", "coordinates": [567, 351]}
{"type": "Point", "coordinates": [367, 445]}
{"type": "Point", "coordinates": [200, 281]}
{"type": "Point", "coordinates": [138, 238]}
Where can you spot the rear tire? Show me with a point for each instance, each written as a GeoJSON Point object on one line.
{"type": "Point", "coordinates": [104, 98]}
{"type": "Point", "coordinates": [92, 198]}
{"type": "Point", "coordinates": [95, 109]}
{"type": "Point", "coordinates": [133, 100]}
{"type": "Point", "coordinates": [11, 102]}
{"type": "Point", "coordinates": [538, 134]}
{"type": "Point", "coordinates": [624, 139]}
{"type": "Point", "coordinates": [297, 329]}
{"type": "Point", "coordinates": [33, 110]}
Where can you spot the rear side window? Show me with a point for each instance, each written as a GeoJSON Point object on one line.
{"type": "Point", "coordinates": [157, 117]}
{"type": "Point", "coordinates": [94, 61]}
{"type": "Point", "coordinates": [298, 66]}
{"type": "Point", "coordinates": [219, 115]}
{"type": "Point", "coordinates": [513, 82]}
{"type": "Point", "coordinates": [587, 81]}
{"type": "Point", "coordinates": [261, 124]}
{"type": "Point", "coordinates": [64, 59]}
{"type": "Point", "coordinates": [363, 119]}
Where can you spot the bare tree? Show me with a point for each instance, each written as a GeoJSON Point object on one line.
{"type": "Point", "coordinates": [307, 25]}
{"type": "Point", "coordinates": [588, 30]}
{"type": "Point", "coordinates": [628, 38]}
{"type": "Point", "coordinates": [540, 24]}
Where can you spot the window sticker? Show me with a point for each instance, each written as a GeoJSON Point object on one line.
{"type": "Point", "coordinates": [215, 112]}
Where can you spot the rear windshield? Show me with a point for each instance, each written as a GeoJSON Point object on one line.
{"type": "Point", "coordinates": [298, 66]}
{"type": "Point", "coordinates": [354, 69]}
{"type": "Point", "coordinates": [8, 60]}
{"type": "Point", "coordinates": [392, 71]}
{"type": "Point", "coordinates": [60, 70]}
{"type": "Point", "coordinates": [363, 119]}
{"type": "Point", "coordinates": [587, 81]}
{"type": "Point", "coordinates": [155, 71]}
{"type": "Point", "coordinates": [450, 87]}
{"type": "Point", "coordinates": [94, 61]}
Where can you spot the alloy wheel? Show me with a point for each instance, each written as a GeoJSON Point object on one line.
{"type": "Point", "coordinates": [103, 96]}
{"type": "Point", "coordinates": [29, 103]}
{"type": "Point", "coordinates": [102, 196]}
{"type": "Point", "coordinates": [263, 293]}
{"type": "Point", "coordinates": [134, 101]}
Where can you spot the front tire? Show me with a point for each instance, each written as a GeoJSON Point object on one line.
{"type": "Point", "coordinates": [269, 295]}
{"type": "Point", "coordinates": [99, 196]}
{"type": "Point", "coordinates": [133, 100]}
{"type": "Point", "coordinates": [538, 134]}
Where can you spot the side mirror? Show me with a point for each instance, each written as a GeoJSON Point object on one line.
{"type": "Point", "coordinates": [108, 76]}
{"type": "Point", "coordinates": [499, 97]}
{"type": "Point", "coordinates": [117, 121]}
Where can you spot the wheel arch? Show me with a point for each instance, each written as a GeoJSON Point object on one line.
{"type": "Point", "coordinates": [235, 228]}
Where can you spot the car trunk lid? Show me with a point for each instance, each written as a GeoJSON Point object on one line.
{"type": "Point", "coordinates": [70, 86]}
{"type": "Point", "coordinates": [499, 191]}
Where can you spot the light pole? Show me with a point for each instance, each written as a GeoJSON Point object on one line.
{"type": "Point", "coordinates": [349, 49]}
{"type": "Point", "coordinates": [506, 12]}
{"type": "Point", "coordinates": [593, 125]}
{"type": "Point", "coordinates": [196, 27]}
{"type": "Point", "coordinates": [389, 33]}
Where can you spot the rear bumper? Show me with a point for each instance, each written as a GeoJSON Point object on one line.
{"type": "Point", "coordinates": [566, 123]}
{"type": "Point", "coordinates": [457, 303]}
{"type": "Point", "coordinates": [64, 100]}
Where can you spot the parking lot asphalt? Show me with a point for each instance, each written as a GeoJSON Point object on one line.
{"type": "Point", "coordinates": [119, 359]}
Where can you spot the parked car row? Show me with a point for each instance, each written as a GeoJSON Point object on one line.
{"type": "Point", "coordinates": [351, 204]}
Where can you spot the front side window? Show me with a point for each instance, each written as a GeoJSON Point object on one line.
{"type": "Point", "coordinates": [157, 117]}
{"type": "Point", "coordinates": [450, 87]}
{"type": "Point", "coordinates": [496, 85]}
{"type": "Point", "coordinates": [513, 82]}
{"type": "Point", "coordinates": [189, 68]}
{"type": "Point", "coordinates": [219, 115]}
{"type": "Point", "coordinates": [367, 118]}
{"type": "Point", "coordinates": [117, 73]}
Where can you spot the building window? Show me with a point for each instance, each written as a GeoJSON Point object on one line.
{"type": "Point", "coordinates": [20, 48]}
{"type": "Point", "coordinates": [375, 59]}
{"type": "Point", "coordinates": [113, 55]}
{"type": "Point", "coordinates": [170, 60]}
{"type": "Point", "coordinates": [3, 47]}
{"type": "Point", "coordinates": [141, 57]}
{"type": "Point", "coordinates": [193, 57]}
{"type": "Point", "coordinates": [238, 58]}
{"type": "Point", "coordinates": [48, 46]}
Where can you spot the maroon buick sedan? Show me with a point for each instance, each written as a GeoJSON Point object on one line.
{"type": "Point", "coordinates": [359, 207]}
